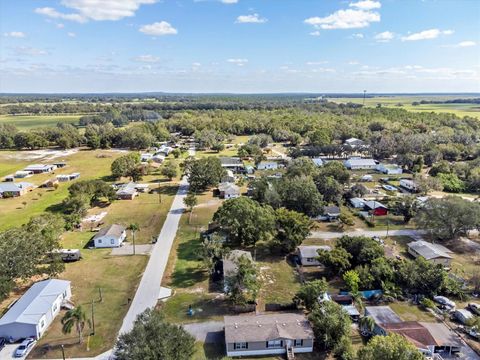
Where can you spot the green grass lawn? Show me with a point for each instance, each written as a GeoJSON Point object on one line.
{"type": "Point", "coordinates": [116, 276]}
{"type": "Point", "coordinates": [409, 312]}
{"type": "Point", "coordinates": [26, 122]}
{"type": "Point", "coordinates": [392, 101]}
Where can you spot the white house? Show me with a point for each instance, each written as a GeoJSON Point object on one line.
{"type": "Point", "coordinates": [267, 165]}
{"type": "Point", "coordinates": [308, 254]}
{"type": "Point", "coordinates": [40, 168]}
{"type": "Point", "coordinates": [354, 143]}
{"type": "Point", "coordinates": [228, 190]}
{"type": "Point", "coordinates": [389, 169]}
{"type": "Point", "coordinates": [360, 164]}
{"type": "Point", "coordinates": [110, 236]}
{"type": "Point", "coordinates": [408, 184]}
{"type": "Point", "coordinates": [31, 315]}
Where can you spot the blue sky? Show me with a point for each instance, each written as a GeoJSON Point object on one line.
{"type": "Point", "coordinates": [239, 45]}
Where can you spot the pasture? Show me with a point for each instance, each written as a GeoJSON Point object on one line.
{"type": "Point", "coordinates": [27, 122]}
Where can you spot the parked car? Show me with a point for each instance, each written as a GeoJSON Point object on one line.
{"type": "Point", "coordinates": [474, 308]}
{"type": "Point", "coordinates": [24, 347]}
{"type": "Point", "coordinates": [442, 300]}
{"type": "Point", "coordinates": [3, 342]}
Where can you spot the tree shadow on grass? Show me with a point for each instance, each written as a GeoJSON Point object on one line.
{"type": "Point", "coordinates": [186, 275]}
{"type": "Point", "coordinates": [169, 190]}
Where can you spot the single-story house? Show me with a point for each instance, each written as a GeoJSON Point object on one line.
{"type": "Point", "coordinates": [357, 203]}
{"type": "Point", "coordinates": [40, 168]}
{"type": "Point", "coordinates": [164, 150]}
{"type": "Point", "coordinates": [230, 264]}
{"type": "Point", "coordinates": [463, 315]}
{"type": "Point", "coordinates": [142, 187]}
{"type": "Point", "coordinates": [308, 254]}
{"type": "Point", "coordinates": [158, 158]}
{"type": "Point", "coordinates": [110, 236]}
{"type": "Point", "coordinates": [389, 169]}
{"type": "Point", "coordinates": [68, 177]}
{"type": "Point", "coordinates": [354, 142]}
{"type": "Point", "coordinates": [269, 334]}
{"type": "Point", "coordinates": [382, 315]}
{"type": "Point", "coordinates": [31, 315]}
{"type": "Point", "coordinates": [146, 157]}
{"type": "Point", "coordinates": [10, 189]}
{"type": "Point", "coordinates": [228, 190]}
{"type": "Point", "coordinates": [317, 161]}
{"type": "Point", "coordinates": [408, 184]}
{"type": "Point", "coordinates": [50, 183]}
{"type": "Point", "coordinates": [330, 213]}
{"type": "Point", "coordinates": [229, 177]}
{"type": "Point", "coordinates": [267, 165]}
{"type": "Point", "coordinates": [434, 253]}
{"type": "Point", "coordinates": [360, 164]}
{"type": "Point", "coordinates": [60, 164]}
{"type": "Point", "coordinates": [21, 174]}
{"type": "Point", "coordinates": [127, 191]}
{"type": "Point", "coordinates": [446, 340]}
{"type": "Point", "coordinates": [376, 208]}
{"type": "Point", "coordinates": [232, 163]}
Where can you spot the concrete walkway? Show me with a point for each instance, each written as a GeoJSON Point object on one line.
{"type": "Point", "coordinates": [416, 234]}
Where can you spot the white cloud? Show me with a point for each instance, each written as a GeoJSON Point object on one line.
{"type": "Point", "coordinates": [15, 34]}
{"type": "Point", "coordinates": [146, 58]}
{"type": "Point", "coordinates": [315, 63]}
{"type": "Point", "coordinates": [366, 5]}
{"type": "Point", "coordinates": [60, 26]}
{"type": "Point", "coordinates": [385, 36]}
{"type": "Point", "coordinates": [358, 36]}
{"type": "Point", "coordinates": [253, 19]}
{"type": "Point", "coordinates": [426, 35]}
{"type": "Point", "coordinates": [238, 62]}
{"type": "Point", "coordinates": [229, 1]}
{"type": "Point", "coordinates": [71, 34]}
{"type": "Point", "coordinates": [344, 19]}
{"type": "Point", "coordinates": [353, 62]}
{"type": "Point", "coordinates": [30, 51]}
{"type": "Point", "coordinates": [159, 29]}
{"type": "Point", "coordinates": [51, 12]}
{"type": "Point", "coordinates": [315, 33]}
{"type": "Point", "coordinates": [95, 9]}
{"type": "Point", "coordinates": [466, 43]}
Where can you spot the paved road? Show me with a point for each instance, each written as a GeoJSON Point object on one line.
{"type": "Point", "coordinates": [208, 332]}
{"type": "Point", "coordinates": [417, 234]}
{"type": "Point", "coordinates": [149, 289]}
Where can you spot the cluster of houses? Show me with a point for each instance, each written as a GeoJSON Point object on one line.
{"type": "Point", "coordinates": [158, 155]}
{"type": "Point", "coordinates": [10, 188]}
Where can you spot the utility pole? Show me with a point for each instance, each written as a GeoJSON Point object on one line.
{"type": "Point", "coordinates": [63, 352]}
{"type": "Point", "coordinates": [364, 94]}
{"type": "Point", "coordinates": [93, 319]}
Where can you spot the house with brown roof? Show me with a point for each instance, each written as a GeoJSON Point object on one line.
{"type": "Point", "coordinates": [268, 334]}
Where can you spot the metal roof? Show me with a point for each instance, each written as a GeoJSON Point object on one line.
{"type": "Point", "coordinates": [382, 314]}
{"type": "Point", "coordinates": [36, 302]}
{"type": "Point", "coordinates": [253, 328]}
{"type": "Point", "coordinates": [113, 230]}
{"type": "Point", "coordinates": [9, 186]}
{"type": "Point", "coordinates": [311, 251]}
{"type": "Point", "coordinates": [429, 251]}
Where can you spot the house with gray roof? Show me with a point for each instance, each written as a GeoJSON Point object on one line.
{"type": "Point", "coordinates": [11, 189]}
{"type": "Point", "coordinates": [228, 190]}
{"type": "Point", "coordinates": [127, 191]}
{"type": "Point", "coordinates": [32, 314]}
{"type": "Point", "coordinates": [110, 236]}
{"type": "Point", "coordinates": [232, 163]}
{"type": "Point", "coordinates": [382, 315]}
{"type": "Point", "coordinates": [40, 168]}
{"type": "Point", "coordinates": [434, 253]}
{"type": "Point", "coordinates": [360, 164]}
{"type": "Point", "coordinates": [308, 254]}
{"type": "Point", "coordinates": [267, 165]}
{"type": "Point", "coordinates": [268, 334]}
{"type": "Point", "coordinates": [357, 203]}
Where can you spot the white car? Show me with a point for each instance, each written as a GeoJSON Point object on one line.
{"type": "Point", "coordinates": [444, 301]}
{"type": "Point", "coordinates": [24, 347]}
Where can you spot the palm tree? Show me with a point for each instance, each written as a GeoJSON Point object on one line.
{"type": "Point", "coordinates": [367, 325]}
{"type": "Point", "coordinates": [133, 227]}
{"type": "Point", "coordinates": [74, 318]}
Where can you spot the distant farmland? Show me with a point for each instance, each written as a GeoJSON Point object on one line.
{"type": "Point", "coordinates": [406, 101]}
{"type": "Point", "coordinates": [25, 122]}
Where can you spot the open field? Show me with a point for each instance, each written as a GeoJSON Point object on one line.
{"type": "Point", "coordinates": [406, 101]}
{"type": "Point", "coordinates": [26, 122]}
{"type": "Point", "coordinates": [116, 276]}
